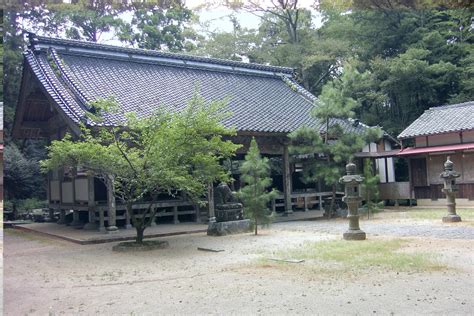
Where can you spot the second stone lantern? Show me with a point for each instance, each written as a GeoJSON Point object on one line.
{"type": "Point", "coordinates": [450, 188]}
{"type": "Point", "coordinates": [352, 198]}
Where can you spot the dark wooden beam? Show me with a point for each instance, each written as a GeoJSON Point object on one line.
{"type": "Point", "coordinates": [287, 180]}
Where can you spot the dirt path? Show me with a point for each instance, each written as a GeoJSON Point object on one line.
{"type": "Point", "coordinates": [49, 276]}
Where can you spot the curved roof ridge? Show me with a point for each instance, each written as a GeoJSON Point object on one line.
{"type": "Point", "coordinates": [69, 80]}
{"type": "Point", "coordinates": [39, 42]}
{"type": "Point", "coordinates": [294, 85]}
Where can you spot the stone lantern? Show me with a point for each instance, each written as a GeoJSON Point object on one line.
{"type": "Point", "coordinates": [450, 188]}
{"type": "Point", "coordinates": [352, 198]}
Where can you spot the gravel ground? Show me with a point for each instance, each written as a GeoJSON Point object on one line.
{"type": "Point", "coordinates": [48, 276]}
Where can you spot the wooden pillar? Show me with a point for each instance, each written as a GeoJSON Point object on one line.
{"type": "Point", "coordinates": [48, 189]}
{"type": "Point", "coordinates": [101, 220]}
{"type": "Point", "coordinates": [50, 210]}
{"type": "Point", "coordinates": [91, 203]}
{"type": "Point", "coordinates": [75, 218]}
{"type": "Point", "coordinates": [320, 198]}
{"type": "Point", "coordinates": [60, 180]}
{"type": "Point", "coordinates": [175, 215]}
{"type": "Point", "coordinates": [112, 207]}
{"type": "Point", "coordinates": [197, 209]}
{"type": "Point", "coordinates": [210, 198]}
{"type": "Point", "coordinates": [75, 213]}
{"type": "Point", "coordinates": [287, 180]}
{"type": "Point", "coordinates": [410, 180]}
{"type": "Point", "coordinates": [127, 219]}
{"type": "Point", "coordinates": [62, 216]}
{"type": "Point", "coordinates": [153, 221]}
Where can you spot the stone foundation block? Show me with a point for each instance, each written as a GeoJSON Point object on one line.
{"type": "Point", "coordinates": [451, 219]}
{"type": "Point", "coordinates": [354, 235]}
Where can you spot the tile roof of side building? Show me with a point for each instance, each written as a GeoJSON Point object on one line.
{"type": "Point", "coordinates": [442, 119]}
{"type": "Point", "coordinates": [261, 98]}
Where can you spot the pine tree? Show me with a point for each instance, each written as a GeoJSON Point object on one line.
{"type": "Point", "coordinates": [371, 189]}
{"type": "Point", "coordinates": [331, 146]}
{"type": "Point", "coordinates": [255, 197]}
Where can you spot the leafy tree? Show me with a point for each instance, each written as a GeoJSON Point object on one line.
{"type": "Point", "coordinates": [256, 176]}
{"type": "Point", "coordinates": [329, 145]}
{"type": "Point", "coordinates": [288, 37]}
{"type": "Point", "coordinates": [160, 26]}
{"type": "Point", "coordinates": [81, 19]}
{"type": "Point", "coordinates": [235, 45]}
{"type": "Point", "coordinates": [165, 153]}
{"type": "Point", "coordinates": [21, 176]}
{"type": "Point", "coordinates": [12, 65]}
{"type": "Point", "coordinates": [413, 59]}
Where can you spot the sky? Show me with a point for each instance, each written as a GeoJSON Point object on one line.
{"type": "Point", "coordinates": [217, 17]}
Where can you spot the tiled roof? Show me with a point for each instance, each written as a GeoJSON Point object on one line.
{"type": "Point", "coordinates": [442, 119]}
{"type": "Point", "coordinates": [261, 98]}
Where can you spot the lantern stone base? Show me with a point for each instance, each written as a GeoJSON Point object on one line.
{"type": "Point", "coordinates": [354, 235]}
{"type": "Point", "coordinates": [228, 228]}
{"type": "Point", "coordinates": [451, 218]}
{"type": "Point", "coordinates": [112, 230]}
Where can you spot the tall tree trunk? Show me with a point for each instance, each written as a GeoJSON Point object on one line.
{"type": "Point", "coordinates": [140, 232]}
{"type": "Point", "coordinates": [112, 207]}
{"type": "Point", "coordinates": [333, 200]}
{"type": "Point", "coordinates": [15, 211]}
{"type": "Point", "coordinates": [256, 224]}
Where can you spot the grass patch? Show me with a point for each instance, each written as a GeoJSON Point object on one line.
{"type": "Point", "coordinates": [466, 214]}
{"type": "Point", "coordinates": [338, 256]}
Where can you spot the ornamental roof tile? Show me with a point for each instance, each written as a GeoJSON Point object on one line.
{"type": "Point", "coordinates": [442, 119]}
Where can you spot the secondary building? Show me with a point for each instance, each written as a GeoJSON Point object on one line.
{"type": "Point", "coordinates": [440, 132]}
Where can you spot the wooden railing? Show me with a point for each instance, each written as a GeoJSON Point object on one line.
{"type": "Point", "coordinates": [305, 200]}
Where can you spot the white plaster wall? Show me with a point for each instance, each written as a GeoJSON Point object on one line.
{"type": "Point", "coordinates": [468, 136]}
{"type": "Point", "coordinates": [420, 141]}
{"type": "Point", "coordinates": [67, 196]}
{"type": "Point", "coordinates": [444, 139]}
{"type": "Point", "coordinates": [468, 167]}
{"type": "Point", "coordinates": [381, 170]}
{"type": "Point", "coordinates": [81, 187]}
{"type": "Point", "coordinates": [390, 164]}
{"type": "Point", "coordinates": [380, 163]}
{"type": "Point", "coordinates": [54, 190]}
